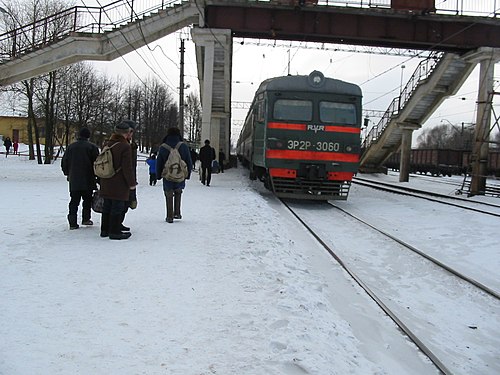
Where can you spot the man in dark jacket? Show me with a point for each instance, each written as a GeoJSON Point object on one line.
{"type": "Point", "coordinates": [222, 158]}
{"type": "Point", "coordinates": [116, 190]}
{"type": "Point", "coordinates": [173, 190]}
{"type": "Point", "coordinates": [78, 164]}
{"type": "Point", "coordinates": [8, 144]}
{"type": "Point", "coordinates": [194, 157]}
{"type": "Point", "coordinates": [206, 156]}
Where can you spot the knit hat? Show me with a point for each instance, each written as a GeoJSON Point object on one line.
{"type": "Point", "coordinates": [84, 133]}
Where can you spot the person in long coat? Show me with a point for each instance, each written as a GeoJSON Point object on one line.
{"type": "Point", "coordinates": [132, 200]}
{"type": "Point", "coordinates": [173, 190]}
{"type": "Point", "coordinates": [206, 156]}
{"type": "Point", "coordinates": [116, 190]}
{"type": "Point", "coordinates": [78, 164]}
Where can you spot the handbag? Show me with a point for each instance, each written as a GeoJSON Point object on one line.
{"type": "Point", "coordinates": [97, 202]}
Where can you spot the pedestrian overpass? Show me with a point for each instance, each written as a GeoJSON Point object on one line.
{"type": "Point", "coordinates": [461, 38]}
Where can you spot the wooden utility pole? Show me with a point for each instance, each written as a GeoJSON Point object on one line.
{"type": "Point", "coordinates": [181, 91]}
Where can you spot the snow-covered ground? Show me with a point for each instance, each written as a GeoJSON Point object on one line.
{"type": "Point", "coordinates": [235, 287]}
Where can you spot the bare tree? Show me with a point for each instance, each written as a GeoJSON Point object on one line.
{"type": "Point", "coordinates": [156, 108]}
{"type": "Point", "coordinates": [447, 136]}
{"type": "Point", "coordinates": [40, 93]}
{"type": "Point", "coordinates": [193, 119]}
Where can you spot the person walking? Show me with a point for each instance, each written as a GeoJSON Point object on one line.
{"type": "Point", "coordinates": [78, 165]}
{"type": "Point", "coordinates": [151, 162]}
{"type": "Point", "coordinates": [194, 157]}
{"type": "Point", "coordinates": [206, 156]}
{"type": "Point", "coordinates": [15, 146]}
{"type": "Point", "coordinates": [8, 144]}
{"type": "Point", "coordinates": [222, 157]}
{"type": "Point", "coordinates": [116, 190]}
{"type": "Point", "coordinates": [173, 190]}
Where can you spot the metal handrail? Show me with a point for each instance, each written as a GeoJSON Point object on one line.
{"type": "Point", "coordinates": [421, 73]}
{"type": "Point", "coordinates": [25, 38]}
{"type": "Point", "coordinates": [81, 19]}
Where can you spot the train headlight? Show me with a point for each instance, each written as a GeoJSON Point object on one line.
{"type": "Point", "coordinates": [316, 79]}
{"type": "Point", "coordinates": [348, 148]}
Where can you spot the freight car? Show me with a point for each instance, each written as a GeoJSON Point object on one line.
{"type": "Point", "coordinates": [301, 136]}
{"type": "Point", "coordinates": [492, 166]}
{"type": "Point", "coordinates": [445, 162]}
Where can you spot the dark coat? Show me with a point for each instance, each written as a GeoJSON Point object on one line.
{"type": "Point", "coordinates": [134, 148]}
{"type": "Point", "coordinates": [78, 164]}
{"type": "Point", "coordinates": [207, 155]}
{"type": "Point", "coordinates": [222, 156]}
{"type": "Point", "coordinates": [162, 157]}
{"type": "Point", "coordinates": [118, 187]}
{"type": "Point", "coordinates": [7, 143]}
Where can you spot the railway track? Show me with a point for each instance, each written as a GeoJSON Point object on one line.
{"type": "Point", "coordinates": [466, 204]}
{"type": "Point", "coordinates": [385, 302]}
{"type": "Point", "coordinates": [492, 186]}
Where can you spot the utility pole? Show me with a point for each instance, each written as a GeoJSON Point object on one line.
{"type": "Point", "coordinates": [181, 91]}
{"type": "Point", "coordinates": [480, 147]}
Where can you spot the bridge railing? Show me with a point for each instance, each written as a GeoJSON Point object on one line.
{"type": "Point", "coordinates": [421, 73]}
{"type": "Point", "coordinates": [20, 39]}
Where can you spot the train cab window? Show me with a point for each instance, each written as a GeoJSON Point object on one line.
{"type": "Point", "coordinates": [338, 113]}
{"type": "Point", "coordinates": [292, 109]}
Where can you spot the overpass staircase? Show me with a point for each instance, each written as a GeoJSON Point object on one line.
{"type": "Point", "coordinates": [435, 78]}
{"type": "Point", "coordinates": [88, 33]}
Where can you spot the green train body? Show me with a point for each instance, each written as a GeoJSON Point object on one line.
{"type": "Point", "coordinates": [301, 136]}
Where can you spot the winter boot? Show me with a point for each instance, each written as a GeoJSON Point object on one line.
{"type": "Point", "coordinates": [169, 196]}
{"type": "Point", "coordinates": [105, 225]}
{"type": "Point", "coordinates": [123, 228]}
{"type": "Point", "coordinates": [72, 222]}
{"type": "Point", "coordinates": [177, 203]}
{"type": "Point", "coordinates": [114, 228]}
{"type": "Point", "coordinates": [86, 216]}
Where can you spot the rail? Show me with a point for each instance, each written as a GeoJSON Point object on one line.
{"type": "Point", "coordinates": [20, 39]}
{"type": "Point", "coordinates": [421, 73]}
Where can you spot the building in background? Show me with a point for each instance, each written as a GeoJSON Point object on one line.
{"type": "Point", "coordinates": [17, 129]}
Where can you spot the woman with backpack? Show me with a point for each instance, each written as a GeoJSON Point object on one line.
{"type": "Point", "coordinates": [173, 185]}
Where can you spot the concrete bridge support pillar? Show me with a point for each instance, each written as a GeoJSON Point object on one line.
{"type": "Point", "coordinates": [404, 163]}
{"type": "Point", "coordinates": [214, 60]}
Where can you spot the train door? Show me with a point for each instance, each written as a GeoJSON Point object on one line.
{"type": "Point", "coordinates": [259, 136]}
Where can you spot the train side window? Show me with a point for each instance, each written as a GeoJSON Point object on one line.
{"type": "Point", "coordinates": [291, 109]}
{"type": "Point", "coordinates": [338, 113]}
{"type": "Point", "coordinates": [260, 112]}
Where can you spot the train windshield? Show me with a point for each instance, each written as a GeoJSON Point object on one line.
{"type": "Point", "coordinates": [292, 109]}
{"type": "Point", "coordinates": [338, 113]}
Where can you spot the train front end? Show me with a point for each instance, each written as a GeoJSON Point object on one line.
{"type": "Point", "coordinates": [312, 139]}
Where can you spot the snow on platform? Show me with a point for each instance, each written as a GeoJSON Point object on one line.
{"type": "Point", "coordinates": [235, 287]}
